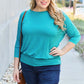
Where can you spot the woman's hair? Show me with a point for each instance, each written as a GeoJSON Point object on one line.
{"type": "Point", "coordinates": [54, 12]}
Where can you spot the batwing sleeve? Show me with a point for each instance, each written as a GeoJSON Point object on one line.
{"type": "Point", "coordinates": [17, 42]}
{"type": "Point", "coordinates": [71, 30]}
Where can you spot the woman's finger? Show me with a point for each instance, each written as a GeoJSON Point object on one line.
{"type": "Point", "coordinates": [52, 52]}
{"type": "Point", "coordinates": [15, 77]}
{"type": "Point", "coordinates": [18, 80]}
{"type": "Point", "coordinates": [56, 54]}
{"type": "Point", "coordinates": [53, 48]}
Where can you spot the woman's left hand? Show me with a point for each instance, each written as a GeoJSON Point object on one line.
{"type": "Point", "coordinates": [55, 51]}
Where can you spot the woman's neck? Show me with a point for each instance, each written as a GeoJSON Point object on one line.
{"type": "Point", "coordinates": [39, 9]}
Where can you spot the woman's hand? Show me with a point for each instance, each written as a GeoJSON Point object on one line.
{"type": "Point", "coordinates": [55, 51]}
{"type": "Point", "coordinates": [16, 75]}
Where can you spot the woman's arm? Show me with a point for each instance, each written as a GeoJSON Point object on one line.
{"type": "Point", "coordinates": [62, 51]}
{"type": "Point", "coordinates": [17, 43]}
{"type": "Point", "coordinates": [68, 47]}
{"type": "Point", "coordinates": [72, 32]}
{"type": "Point", "coordinates": [16, 51]}
{"type": "Point", "coordinates": [16, 63]}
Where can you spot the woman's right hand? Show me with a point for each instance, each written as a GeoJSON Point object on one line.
{"type": "Point", "coordinates": [16, 75]}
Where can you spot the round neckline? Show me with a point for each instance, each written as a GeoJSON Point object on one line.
{"type": "Point", "coordinates": [38, 11]}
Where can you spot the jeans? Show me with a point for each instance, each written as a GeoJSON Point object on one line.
{"type": "Point", "coordinates": [49, 74]}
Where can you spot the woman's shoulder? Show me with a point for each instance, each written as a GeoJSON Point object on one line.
{"type": "Point", "coordinates": [65, 15]}
{"type": "Point", "coordinates": [21, 14]}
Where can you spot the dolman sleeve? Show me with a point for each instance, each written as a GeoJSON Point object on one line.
{"type": "Point", "coordinates": [17, 42]}
{"type": "Point", "coordinates": [71, 30]}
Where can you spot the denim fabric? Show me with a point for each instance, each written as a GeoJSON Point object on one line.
{"type": "Point", "coordinates": [49, 74]}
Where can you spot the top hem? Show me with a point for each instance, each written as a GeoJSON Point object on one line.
{"type": "Point", "coordinates": [39, 62]}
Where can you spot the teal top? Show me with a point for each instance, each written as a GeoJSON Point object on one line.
{"type": "Point", "coordinates": [39, 35]}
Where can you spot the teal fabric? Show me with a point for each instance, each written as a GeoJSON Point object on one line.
{"type": "Point", "coordinates": [39, 35]}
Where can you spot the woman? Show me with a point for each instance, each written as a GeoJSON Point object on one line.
{"type": "Point", "coordinates": [43, 28]}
